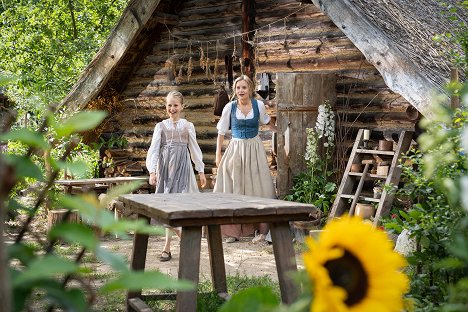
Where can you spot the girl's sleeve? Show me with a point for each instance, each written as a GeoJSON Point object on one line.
{"type": "Point", "coordinates": [264, 117]}
{"type": "Point", "coordinates": [194, 148]}
{"type": "Point", "coordinates": [153, 152]}
{"type": "Point", "coordinates": [225, 120]}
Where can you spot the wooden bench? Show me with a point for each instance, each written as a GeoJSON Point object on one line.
{"type": "Point", "coordinates": [195, 210]}
{"type": "Point", "coordinates": [97, 185]}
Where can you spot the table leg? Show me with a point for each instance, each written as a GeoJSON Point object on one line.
{"type": "Point", "coordinates": [189, 267]}
{"type": "Point", "coordinates": [137, 262]}
{"type": "Point", "coordinates": [283, 250]}
{"type": "Point", "coordinates": [215, 249]}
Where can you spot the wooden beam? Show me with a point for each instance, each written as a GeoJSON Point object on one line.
{"type": "Point", "coordinates": [454, 100]}
{"type": "Point", "coordinates": [399, 72]}
{"type": "Point", "coordinates": [167, 19]}
{"type": "Point", "coordinates": [98, 72]}
{"type": "Point", "coordinates": [248, 23]}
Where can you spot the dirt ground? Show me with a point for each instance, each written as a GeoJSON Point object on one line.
{"type": "Point", "coordinates": [241, 258]}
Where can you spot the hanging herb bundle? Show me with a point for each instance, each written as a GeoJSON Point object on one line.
{"type": "Point", "coordinates": [189, 69]}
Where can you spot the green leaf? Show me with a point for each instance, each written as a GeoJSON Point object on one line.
{"type": "Point", "coordinates": [7, 79]}
{"type": "Point", "coordinates": [72, 300]}
{"type": "Point", "coordinates": [87, 208]}
{"type": "Point", "coordinates": [24, 167]}
{"type": "Point", "coordinates": [117, 262]}
{"type": "Point", "coordinates": [123, 226]}
{"type": "Point", "coordinates": [45, 267]}
{"type": "Point", "coordinates": [114, 192]}
{"type": "Point", "coordinates": [24, 253]}
{"type": "Point", "coordinates": [82, 121]}
{"type": "Point", "coordinates": [76, 168]}
{"type": "Point", "coordinates": [252, 299]}
{"type": "Point", "coordinates": [26, 136]}
{"type": "Point", "coordinates": [75, 233]}
{"type": "Point", "coordinates": [136, 280]}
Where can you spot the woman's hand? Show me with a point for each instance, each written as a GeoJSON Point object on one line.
{"type": "Point", "coordinates": [152, 179]}
{"type": "Point", "coordinates": [219, 145]}
{"type": "Point", "coordinates": [218, 159]}
{"type": "Point", "coordinates": [202, 179]}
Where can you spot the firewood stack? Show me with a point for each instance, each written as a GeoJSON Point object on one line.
{"type": "Point", "coordinates": [117, 163]}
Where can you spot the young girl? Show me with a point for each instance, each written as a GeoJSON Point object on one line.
{"type": "Point", "coordinates": [173, 144]}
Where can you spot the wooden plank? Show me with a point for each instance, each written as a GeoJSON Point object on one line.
{"type": "Point", "coordinates": [393, 177]}
{"type": "Point", "coordinates": [136, 304]}
{"type": "Point", "coordinates": [296, 93]}
{"type": "Point", "coordinates": [347, 181]}
{"type": "Point", "coordinates": [285, 260]}
{"type": "Point", "coordinates": [138, 258]}
{"type": "Point", "coordinates": [189, 267]}
{"type": "Point", "coordinates": [216, 255]}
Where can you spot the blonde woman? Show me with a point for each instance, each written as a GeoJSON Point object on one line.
{"type": "Point", "coordinates": [243, 169]}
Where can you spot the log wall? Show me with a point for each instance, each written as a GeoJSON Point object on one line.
{"type": "Point", "coordinates": [291, 37]}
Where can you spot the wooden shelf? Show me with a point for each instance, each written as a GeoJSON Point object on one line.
{"type": "Point", "coordinates": [376, 152]}
{"type": "Point", "coordinates": [369, 175]}
{"type": "Point", "coordinates": [354, 182]}
{"type": "Point", "coordinates": [369, 199]}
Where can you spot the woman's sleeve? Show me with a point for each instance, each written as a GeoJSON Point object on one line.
{"type": "Point", "coordinates": [153, 152]}
{"type": "Point", "coordinates": [194, 148]}
{"type": "Point", "coordinates": [225, 120]}
{"type": "Point", "coordinates": [264, 117]}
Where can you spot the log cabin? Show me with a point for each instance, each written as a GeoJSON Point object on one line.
{"type": "Point", "coordinates": [375, 61]}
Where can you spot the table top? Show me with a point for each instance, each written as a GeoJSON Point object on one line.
{"type": "Point", "coordinates": [179, 209]}
{"type": "Point", "coordinates": [111, 180]}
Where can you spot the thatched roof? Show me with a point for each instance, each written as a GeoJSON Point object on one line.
{"type": "Point", "coordinates": [396, 36]}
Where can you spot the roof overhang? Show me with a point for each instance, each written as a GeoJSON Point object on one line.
{"type": "Point", "coordinates": [94, 78]}
{"type": "Point", "coordinates": [400, 74]}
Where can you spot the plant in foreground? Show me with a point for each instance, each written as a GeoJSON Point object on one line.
{"type": "Point", "coordinates": [351, 267]}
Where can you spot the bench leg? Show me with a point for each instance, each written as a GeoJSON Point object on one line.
{"type": "Point", "coordinates": [283, 250]}
{"type": "Point", "coordinates": [189, 267]}
{"type": "Point", "coordinates": [137, 262]}
{"type": "Point", "coordinates": [215, 249]}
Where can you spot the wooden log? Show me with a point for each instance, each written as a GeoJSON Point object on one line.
{"type": "Point", "coordinates": [57, 216]}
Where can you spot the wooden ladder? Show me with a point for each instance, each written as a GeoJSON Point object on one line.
{"type": "Point", "coordinates": [348, 194]}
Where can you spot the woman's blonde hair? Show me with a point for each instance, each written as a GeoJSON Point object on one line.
{"type": "Point", "coordinates": [249, 83]}
{"type": "Point", "coordinates": [177, 95]}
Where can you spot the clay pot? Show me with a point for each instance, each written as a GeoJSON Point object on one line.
{"type": "Point", "coordinates": [365, 211]}
{"type": "Point", "coordinates": [356, 168]}
{"type": "Point", "coordinates": [377, 192]}
{"type": "Point", "coordinates": [385, 145]}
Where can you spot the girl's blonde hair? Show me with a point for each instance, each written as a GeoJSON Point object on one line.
{"type": "Point", "coordinates": [249, 83]}
{"type": "Point", "coordinates": [177, 95]}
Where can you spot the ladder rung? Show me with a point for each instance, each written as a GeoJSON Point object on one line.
{"type": "Point", "coordinates": [369, 175]}
{"type": "Point", "coordinates": [367, 151]}
{"type": "Point", "coordinates": [370, 199]}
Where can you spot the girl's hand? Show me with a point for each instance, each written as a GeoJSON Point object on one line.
{"type": "Point", "coordinates": [152, 178]}
{"type": "Point", "coordinates": [202, 180]}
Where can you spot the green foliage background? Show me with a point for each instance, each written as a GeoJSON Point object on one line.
{"type": "Point", "coordinates": [48, 43]}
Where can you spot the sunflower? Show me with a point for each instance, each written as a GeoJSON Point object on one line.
{"type": "Point", "coordinates": [353, 268]}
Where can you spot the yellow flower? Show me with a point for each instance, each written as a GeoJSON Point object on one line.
{"type": "Point", "coordinates": [353, 268]}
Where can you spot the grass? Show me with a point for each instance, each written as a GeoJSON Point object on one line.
{"type": "Point", "coordinates": [208, 301]}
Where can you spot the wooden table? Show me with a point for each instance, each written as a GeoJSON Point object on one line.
{"type": "Point", "coordinates": [192, 211]}
{"type": "Point", "coordinates": [98, 185]}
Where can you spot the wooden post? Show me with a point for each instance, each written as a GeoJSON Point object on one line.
{"type": "Point", "coordinates": [248, 22]}
{"type": "Point", "coordinates": [298, 96]}
{"type": "Point", "coordinates": [60, 215]}
{"type": "Point", "coordinates": [454, 100]}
